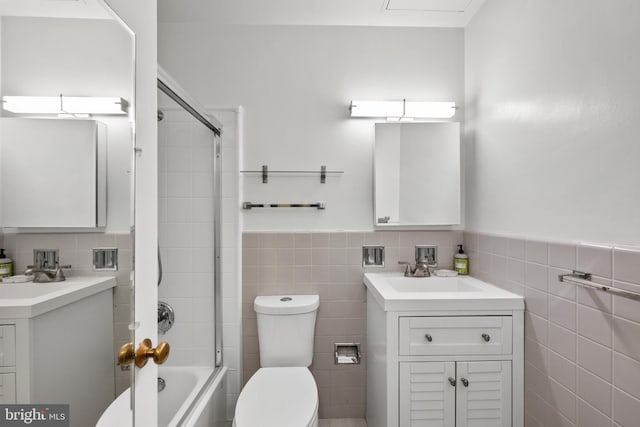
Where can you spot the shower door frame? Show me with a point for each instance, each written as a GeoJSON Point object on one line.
{"type": "Point", "coordinates": [173, 90]}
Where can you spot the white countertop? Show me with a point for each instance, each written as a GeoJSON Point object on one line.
{"type": "Point", "coordinates": [27, 300]}
{"type": "Point", "coordinates": [394, 292]}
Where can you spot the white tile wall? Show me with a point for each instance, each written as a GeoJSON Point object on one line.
{"type": "Point", "coordinates": [582, 352]}
{"type": "Point", "coordinates": [185, 234]}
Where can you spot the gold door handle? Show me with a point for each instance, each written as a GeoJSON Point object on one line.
{"type": "Point", "coordinates": [127, 355]}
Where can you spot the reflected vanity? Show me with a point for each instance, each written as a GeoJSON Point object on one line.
{"type": "Point", "coordinates": [56, 177]}
{"type": "Point", "coordinates": [417, 175]}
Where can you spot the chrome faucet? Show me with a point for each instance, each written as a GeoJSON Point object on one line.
{"type": "Point", "coordinates": [421, 269]}
{"type": "Point", "coordinates": [45, 275]}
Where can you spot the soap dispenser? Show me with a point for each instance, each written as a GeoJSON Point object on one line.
{"type": "Point", "coordinates": [6, 265]}
{"type": "Point", "coordinates": [461, 262]}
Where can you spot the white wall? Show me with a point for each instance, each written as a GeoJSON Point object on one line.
{"type": "Point", "coordinates": [552, 125]}
{"type": "Point", "coordinates": [295, 84]}
{"type": "Point", "coordinates": [78, 57]}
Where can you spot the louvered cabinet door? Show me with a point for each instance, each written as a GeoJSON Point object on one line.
{"type": "Point", "coordinates": [483, 394]}
{"type": "Point", "coordinates": [427, 397]}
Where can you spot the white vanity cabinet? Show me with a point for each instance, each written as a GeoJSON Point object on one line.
{"type": "Point", "coordinates": [452, 394]}
{"type": "Point", "coordinates": [56, 345]}
{"type": "Point", "coordinates": [445, 367]}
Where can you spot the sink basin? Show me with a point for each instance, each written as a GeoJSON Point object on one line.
{"type": "Point", "coordinates": [394, 292]}
{"type": "Point", "coordinates": [27, 300]}
{"type": "Point", "coordinates": [432, 284]}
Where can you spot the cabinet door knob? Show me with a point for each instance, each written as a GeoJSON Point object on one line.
{"type": "Point", "coordinates": [452, 381]}
{"type": "Point", "coordinates": [486, 337]}
{"type": "Point", "coordinates": [464, 382]}
{"type": "Point", "coordinates": [428, 337]}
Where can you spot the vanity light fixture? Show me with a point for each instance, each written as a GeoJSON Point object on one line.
{"type": "Point", "coordinates": [403, 110]}
{"type": "Point", "coordinates": [65, 105]}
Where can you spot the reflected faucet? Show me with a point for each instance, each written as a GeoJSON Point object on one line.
{"type": "Point", "coordinates": [46, 275]}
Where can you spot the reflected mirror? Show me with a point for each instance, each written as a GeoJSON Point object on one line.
{"type": "Point", "coordinates": [417, 174]}
{"type": "Point", "coordinates": [64, 51]}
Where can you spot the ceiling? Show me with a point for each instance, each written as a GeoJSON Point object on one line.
{"type": "Point", "coordinates": [391, 13]}
{"type": "Point", "coordinates": [54, 8]}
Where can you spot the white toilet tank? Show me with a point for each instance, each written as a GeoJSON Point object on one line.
{"type": "Point", "coordinates": [286, 325]}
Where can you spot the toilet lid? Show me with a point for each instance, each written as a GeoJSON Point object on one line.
{"type": "Point", "coordinates": [278, 397]}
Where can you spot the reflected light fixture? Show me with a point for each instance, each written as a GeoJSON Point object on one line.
{"type": "Point", "coordinates": [65, 105]}
{"type": "Point", "coordinates": [403, 110]}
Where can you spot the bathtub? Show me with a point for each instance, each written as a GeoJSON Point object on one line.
{"type": "Point", "coordinates": [190, 399]}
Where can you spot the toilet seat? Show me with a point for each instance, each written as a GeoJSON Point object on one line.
{"type": "Point", "coordinates": [278, 397]}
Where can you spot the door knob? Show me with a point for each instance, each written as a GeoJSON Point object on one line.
{"type": "Point", "coordinates": [127, 355]}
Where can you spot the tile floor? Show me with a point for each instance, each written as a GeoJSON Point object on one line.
{"type": "Point", "coordinates": [343, 422]}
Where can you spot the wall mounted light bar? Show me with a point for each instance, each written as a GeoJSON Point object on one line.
{"type": "Point", "coordinates": [69, 105]}
{"type": "Point", "coordinates": [403, 110]}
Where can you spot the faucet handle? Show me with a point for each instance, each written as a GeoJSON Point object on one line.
{"type": "Point", "coordinates": [59, 274]}
{"type": "Point", "coordinates": [408, 271]}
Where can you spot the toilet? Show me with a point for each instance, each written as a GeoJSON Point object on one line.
{"type": "Point", "coordinates": [282, 393]}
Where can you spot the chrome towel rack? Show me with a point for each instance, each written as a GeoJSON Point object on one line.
{"type": "Point", "coordinates": [584, 279]}
{"type": "Point", "coordinates": [318, 205]}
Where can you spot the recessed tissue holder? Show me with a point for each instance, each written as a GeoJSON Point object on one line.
{"type": "Point", "coordinates": [347, 353]}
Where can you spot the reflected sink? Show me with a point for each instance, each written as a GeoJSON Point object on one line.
{"type": "Point", "coordinates": [432, 284]}
{"type": "Point", "coordinates": [394, 292]}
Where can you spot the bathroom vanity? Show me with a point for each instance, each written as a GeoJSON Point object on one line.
{"type": "Point", "coordinates": [443, 351]}
{"type": "Point", "coordinates": [48, 330]}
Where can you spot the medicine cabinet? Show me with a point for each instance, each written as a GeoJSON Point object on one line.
{"type": "Point", "coordinates": [417, 175]}
{"type": "Point", "coordinates": [53, 173]}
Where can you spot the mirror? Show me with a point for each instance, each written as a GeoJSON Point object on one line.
{"type": "Point", "coordinates": [75, 49]}
{"type": "Point", "coordinates": [44, 193]}
{"type": "Point", "coordinates": [416, 175]}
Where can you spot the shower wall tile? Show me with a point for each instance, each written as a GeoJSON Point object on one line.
{"type": "Point", "coordinates": [582, 355]}
{"type": "Point", "coordinates": [328, 264]}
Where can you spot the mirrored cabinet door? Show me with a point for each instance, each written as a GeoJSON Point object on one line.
{"type": "Point", "coordinates": [54, 173]}
{"type": "Point", "coordinates": [417, 174]}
